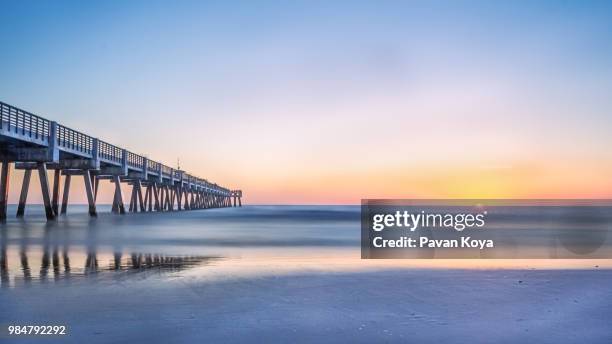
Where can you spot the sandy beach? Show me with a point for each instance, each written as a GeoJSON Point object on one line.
{"type": "Point", "coordinates": [424, 306]}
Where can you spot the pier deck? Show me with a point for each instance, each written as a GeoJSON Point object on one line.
{"type": "Point", "coordinates": [33, 143]}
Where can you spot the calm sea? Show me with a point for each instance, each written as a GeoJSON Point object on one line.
{"type": "Point", "coordinates": [76, 245]}
{"type": "Point", "coordinates": [218, 242]}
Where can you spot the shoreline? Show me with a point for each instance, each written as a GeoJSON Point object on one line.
{"type": "Point", "coordinates": [454, 306]}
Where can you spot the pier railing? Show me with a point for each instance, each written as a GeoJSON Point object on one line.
{"type": "Point", "coordinates": [135, 161]}
{"type": "Point", "coordinates": [74, 141]}
{"type": "Point", "coordinates": [32, 128]}
{"type": "Point", "coordinates": [110, 153]}
{"type": "Point", "coordinates": [23, 124]}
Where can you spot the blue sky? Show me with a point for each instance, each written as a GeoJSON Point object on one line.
{"type": "Point", "coordinates": [318, 102]}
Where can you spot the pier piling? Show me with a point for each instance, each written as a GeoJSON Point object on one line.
{"type": "Point", "coordinates": [5, 175]}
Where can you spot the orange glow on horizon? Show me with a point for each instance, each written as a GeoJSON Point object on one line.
{"type": "Point", "coordinates": [553, 180]}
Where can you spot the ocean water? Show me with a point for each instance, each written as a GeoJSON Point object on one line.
{"type": "Point", "coordinates": [212, 243]}
{"type": "Point", "coordinates": [34, 250]}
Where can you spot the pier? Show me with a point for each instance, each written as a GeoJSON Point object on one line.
{"type": "Point", "coordinates": [35, 144]}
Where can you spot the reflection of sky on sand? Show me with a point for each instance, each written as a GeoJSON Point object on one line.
{"type": "Point", "coordinates": [279, 261]}
{"type": "Point", "coordinates": [36, 265]}
{"type": "Point", "coordinates": [212, 244]}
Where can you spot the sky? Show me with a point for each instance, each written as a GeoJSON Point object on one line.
{"type": "Point", "coordinates": [329, 102]}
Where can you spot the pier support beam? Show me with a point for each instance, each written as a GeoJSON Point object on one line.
{"type": "Point", "coordinates": [56, 186]}
{"type": "Point", "coordinates": [149, 198]}
{"type": "Point", "coordinates": [156, 196]}
{"type": "Point", "coordinates": [178, 193]}
{"type": "Point", "coordinates": [162, 198]}
{"type": "Point", "coordinates": [160, 195]}
{"type": "Point", "coordinates": [172, 197]}
{"type": "Point", "coordinates": [90, 193]}
{"type": "Point", "coordinates": [186, 200]}
{"type": "Point", "coordinates": [66, 193]}
{"type": "Point", "coordinates": [27, 174]}
{"type": "Point", "coordinates": [44, 186]}
{"type": "Point", "coordinates": [138, 185]}
{"type": "Point", "coordinates": [168, 198]}
{"type": "Point", "coordinates": [150, 204]}
{"type": "Point", "coordinates": [133, 205]}
{"type": "Point", "coordinates": [134, 197]}
{"type": "Point", "coordinates": [118, 206]}
{"type": "Point", "coordinates": [5, 175]}
{"type": "Point", "coordinates": [96, 184]}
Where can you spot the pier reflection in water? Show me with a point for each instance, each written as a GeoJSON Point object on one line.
{"type": "Point", "coordinates": [25, 263]}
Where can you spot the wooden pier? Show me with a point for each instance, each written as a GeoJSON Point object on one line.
{"type": "Point", "coordinates": [33, 143]}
